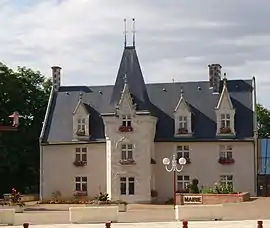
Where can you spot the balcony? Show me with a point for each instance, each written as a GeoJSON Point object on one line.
{"type": "Point", "coordinates": [125, 128]}
{"type": "Point", "coordinates": [127, 162]}
{"type": "Point", "coordinates": [79, 163]}
{"type": "Point", "coordinates": [226, 161]}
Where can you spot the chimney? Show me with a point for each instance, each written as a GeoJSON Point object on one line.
{"type": "Point", "coordinates": [214, 77]}
{"type": "Point", "coordinates": [56, 77]}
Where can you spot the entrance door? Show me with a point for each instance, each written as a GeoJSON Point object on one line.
{"type": "Point", "coordinates": [264, 185]}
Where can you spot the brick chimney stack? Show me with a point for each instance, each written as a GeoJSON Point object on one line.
{"type": "Point", "coordinates": [214, 77]}
{"type": "Point", "coordinates": [56, 77]}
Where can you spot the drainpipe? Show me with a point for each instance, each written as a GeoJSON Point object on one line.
{"type": "Point", "coordinates": [255, 135]}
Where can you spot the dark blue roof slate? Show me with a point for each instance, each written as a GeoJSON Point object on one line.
{"type": "Point", "coordinates": [159, 99]}
{"type": "Point", "coordinates": [164, 98]}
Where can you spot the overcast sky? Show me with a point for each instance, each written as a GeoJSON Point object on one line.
{"type": "Point", "coordinates": [175, 39]}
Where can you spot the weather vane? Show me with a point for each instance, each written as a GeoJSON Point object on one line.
{"type": "Point", "coordinates": [15, 123]}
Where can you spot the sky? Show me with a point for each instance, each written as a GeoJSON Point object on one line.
{"type": "Point", "coordinates": [175, 40]}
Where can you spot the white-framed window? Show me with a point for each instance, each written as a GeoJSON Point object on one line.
{"type": "Point", "coordinates": [127, 185]}
{"type": "Point", "coordinates": [182, 182]}
{"type": "Point", "coordinates": [183, 122]}
{"type": "Point", "coordinates": [81, 124]}
{"type": "Point", "coordinates": [227, 180]}
{"type": "Point", "coordinates": [182, 152]}
{"type": "Point", "coordinates": [225, 120]}
{"type": "Point", "coordinates": [81, 154]}
{"type": "Point", "coordinates": [81, 184]}
{"type": "Point", "coordinates": [126, 120]}
{"type": "Point", "coordinates": [225, 151]}
{"type": "Point", "coordinates": [127, 151]}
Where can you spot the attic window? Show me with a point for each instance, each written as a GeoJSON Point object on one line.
{"type": "Point", "coordinates": [81, 124]}
{"type": "Point", "coordinates": [126, 121]}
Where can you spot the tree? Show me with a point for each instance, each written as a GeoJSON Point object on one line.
{"type": "Point", "coordinates": [263, 119]}
{"type": "Point", "coordinates": [27, 92]}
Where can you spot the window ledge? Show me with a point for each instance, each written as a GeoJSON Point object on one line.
{"type": "Point", "coordinates": [183, 135]}
{"type": "Point", "coordinates": [127, 162]}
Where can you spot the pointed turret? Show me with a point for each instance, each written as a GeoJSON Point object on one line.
{"type": "Point", "coordinates": [224, 99]}
{"type": "Point", "coordinates": [130, 68]}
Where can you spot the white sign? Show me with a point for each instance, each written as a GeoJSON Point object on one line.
{"type": "Point", "coordinates": [192, 199]}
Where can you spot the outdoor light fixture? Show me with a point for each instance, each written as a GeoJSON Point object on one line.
{"type": "Point", "coordinates": [174, 168]}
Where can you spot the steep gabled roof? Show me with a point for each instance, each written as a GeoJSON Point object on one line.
{"type": "Point", "coordinates": [80, 104]}
{"type": "Point", "coordinates": [130, 67]}
{"type": "Point", "coordinates": [182, 101]}
{"type": "Point", "coordinates": [225, 96]}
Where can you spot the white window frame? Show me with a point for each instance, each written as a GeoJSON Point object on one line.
{"type": "Point", "coordinates": [183, 122]}
{"type": "Point", "coordinates": [127, 150]}
{"type": "Point", "coordinates": [226, 151]}
{"type": "Point", "coordinates": [127, 181]}
{"type": "Point", "coordinates": [81, 181]}
{"type": "Point", "coordinates": [81, 124]}
{"type": "Point", "coordinates": [182, 151]}
{"type": "Point", "coordinates": [226, 179]}
{"type": "Point", "coordinates": [81, 154]}
{"type": "Point", "coordinates": [182, 182]}
{"type": "Point", "coordinates": [225, 120]}
{"type": "Point", "coordinates": [126, 120]}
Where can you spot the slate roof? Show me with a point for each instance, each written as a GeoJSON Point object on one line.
{"type": "Point", "coordinates": [158, 98]}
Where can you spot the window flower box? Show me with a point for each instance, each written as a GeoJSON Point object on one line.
{"type": "Point", "coordinates": [125, 128]}
{"type": "Point", "coordinates": [182, 131]}
{"type": "Point", "coordinates": [79, 163]}
{"type": "Point", "coordinates": [226, 161]}
{"type": "Point", "coordinates": [225, 130]}
{"type": "Point", "coordinates": [127, 162]}
{"type": "Point", "coordinates": [80, 132]}
{"type": "Point", "coordinates": [80, 193]}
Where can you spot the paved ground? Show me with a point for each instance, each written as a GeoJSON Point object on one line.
{"type": "Point", "coordinates": [58, 214]}
{"type": "Point", "coordinates": [228, 224]}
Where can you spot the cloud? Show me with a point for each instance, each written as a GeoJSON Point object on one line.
{"type": "Point", "coordinates": [175, 39]}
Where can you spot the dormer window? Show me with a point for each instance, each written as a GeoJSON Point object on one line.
{"type": "Point", "coordinates": [225, 113]}
{"type": "Point", "coordinates": [126, 121]}
{"type": "Point", "coordinates": [126, 124]}
{"type": "Point", "coordinates": [182, 115]}
{"type": "Point", "coordinates": [81, 124]}
{"type": "Point", "coordinates": [183, 125]}
{"type": "Point", "coordinates": [80, 121]}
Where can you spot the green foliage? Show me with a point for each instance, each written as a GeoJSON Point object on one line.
{"type": "Point", "coordinates": [263, 120]}
{"type": "Point", "coordinates": [193, 187]}
{"type": "Point", "coordinates": [218, 189]}
{"type": "Point", "coordinates": [27, 92]}
{"type": "Point", "coordinates": [102, 197]}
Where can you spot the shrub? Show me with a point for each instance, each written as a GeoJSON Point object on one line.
{"type": "Point", "coordinates": [193, 187]}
